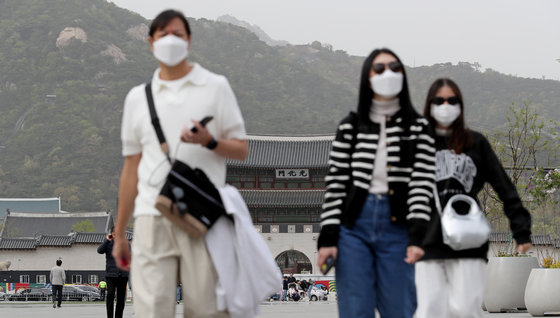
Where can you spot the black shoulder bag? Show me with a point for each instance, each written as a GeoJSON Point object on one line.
{"type": "Point", "coordinates": [188, 198]}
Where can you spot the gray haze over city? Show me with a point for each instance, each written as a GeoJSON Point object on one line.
{"type": "Point", "coordinates": [517, 37]}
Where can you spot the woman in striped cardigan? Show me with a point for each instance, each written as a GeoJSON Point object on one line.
{"type": "Point", "coordinates": [379, 185]}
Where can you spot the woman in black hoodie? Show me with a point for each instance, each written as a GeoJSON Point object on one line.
{"type": "Point", "coordinates": [450, 283]}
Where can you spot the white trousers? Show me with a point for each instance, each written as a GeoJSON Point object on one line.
{"type": "Point", "coordinates": [450, 288]}
{"type": "Point", "coordinates": [163, 254]}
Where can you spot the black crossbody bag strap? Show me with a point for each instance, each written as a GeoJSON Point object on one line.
{"type": "Point", "coordinates": [155, 121]}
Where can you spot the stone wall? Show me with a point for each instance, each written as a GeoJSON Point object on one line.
{"type": "Point", "coordinates": [78, 257]}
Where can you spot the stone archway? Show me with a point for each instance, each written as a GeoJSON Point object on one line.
{"type": "Point", "coordinates": [293, 261]}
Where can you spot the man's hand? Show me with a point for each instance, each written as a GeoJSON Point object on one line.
{"type": "Point", "coordinates": [201, 136]}
{"type": "Point", "coordinates": [228, 148]}
{"type": "Point", "coordinates": [413, 254]}
{"type": "Point", "coordinates": [324, 253]}
{"type": "Point", "coordinates": [121, 253]}
{"type": "Point", "coordinates": [127, 194]}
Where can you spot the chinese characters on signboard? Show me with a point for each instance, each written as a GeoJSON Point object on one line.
{"type": "Point", "coordinates": [292, 173]}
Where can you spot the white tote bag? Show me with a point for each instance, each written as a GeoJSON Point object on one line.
{"type": "Point", "coordinates": [463, 231]}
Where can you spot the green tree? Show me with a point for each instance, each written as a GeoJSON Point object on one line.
{"type": "Point", "coordinates": [526, 144]}
{"type": "Point", "coordinates": [84, 226]}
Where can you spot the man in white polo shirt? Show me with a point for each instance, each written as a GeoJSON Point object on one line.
{"type": "Point", "coordinates": [183, 93]}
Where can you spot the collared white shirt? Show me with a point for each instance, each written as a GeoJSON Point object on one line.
{"type": "Point", "coordinates": [199, 94]}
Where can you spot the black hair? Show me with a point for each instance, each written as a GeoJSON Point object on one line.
{"type": "Point", "coordinates": [163, 19]}
{"type": "Point", "coordinates": [112, 229]}
{"type": "Point", "coordinates": [366, 92]}
{"type": "Point", "coordinates": [460, 135]}
{"type": "Point", "coordinates": [58, 262]}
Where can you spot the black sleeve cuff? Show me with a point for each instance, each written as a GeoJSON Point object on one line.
{"type": "Point", "coordinates": [417, 232]}
{"type": "Point", "coordinates": [328, 236]}
{"type": "Point", "coordinates": [522, 239]}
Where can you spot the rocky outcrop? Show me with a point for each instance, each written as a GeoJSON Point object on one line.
{"type": "Point", "coordinates": [253, 28]}
{"type": "Point", "coordinates": [10, 86]}
{"type": "Point", "coordinates": [116, 53]}
{"type": "Point", "coordinates": [139, 32]}
{"type": "Point", "coordinates": [68, 34]}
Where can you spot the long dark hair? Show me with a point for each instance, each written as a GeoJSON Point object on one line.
{"type": "Point", "coordinates": [366, 92]}
{"type": "Point", "coordinates": [460, 135]}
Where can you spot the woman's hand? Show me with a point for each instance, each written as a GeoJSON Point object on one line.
{"type": "Point", "coordinates": [413, 254]}
{"type": "Point", "coordinates": [524, 248]}
{"type": "Point", "coordinates": [324, 253]}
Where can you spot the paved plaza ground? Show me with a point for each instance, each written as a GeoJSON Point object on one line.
{"type": "Point", "coordinates": [268, 310]}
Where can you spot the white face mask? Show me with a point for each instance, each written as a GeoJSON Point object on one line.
{"type": "Point", "coordinates": [171, 50]}
{"type": "Point", "coordinates": [388, 84]}
{"type": "Point", "coordinates": [445, 114]}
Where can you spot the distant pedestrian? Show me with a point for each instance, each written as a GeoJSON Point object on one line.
{"type": "Point", "coordinates": [285, 289]}
{"type": "Point", "coordinates": [309, 288]}
{"type": "Point", "coordinates": [58, 278]}
{"type": "Point", "coordinates": [292, 279]}
{"type": "Point", "coordinates": [294, 293]}
{"type": "Point", "coordinates": [304, 285]}
{"type": "Point", "coordinates": [102, 289]}
{"type": "Point", "coordinates": [179, 288]}
{"type": "Point", "coordinates": [117, 278]}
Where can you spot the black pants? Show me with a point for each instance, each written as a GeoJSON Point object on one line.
{"type": "Point", "coordinates": [118, 285]}
{"type": "Point", "coordinates": [57, 294]}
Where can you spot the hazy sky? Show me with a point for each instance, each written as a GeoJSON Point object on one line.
{"type": "Point", "coordinates": [518, 37]}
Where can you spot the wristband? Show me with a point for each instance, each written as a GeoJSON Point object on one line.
{"type": "Point", "coordinates": [212, 144]}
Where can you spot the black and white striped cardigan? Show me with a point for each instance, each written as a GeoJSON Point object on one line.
{"type": "Point", "coordinates": [410, 174]}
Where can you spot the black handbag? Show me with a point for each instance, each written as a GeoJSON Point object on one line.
{"type": "Point", "coordinates": [188, 198]}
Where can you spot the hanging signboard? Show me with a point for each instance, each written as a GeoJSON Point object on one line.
{"type": "Point", "coordinates": [292, 173]}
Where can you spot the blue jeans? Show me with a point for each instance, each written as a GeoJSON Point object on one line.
{"type": "Point", "coordinates": [370, 268]}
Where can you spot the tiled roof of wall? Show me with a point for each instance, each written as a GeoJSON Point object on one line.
{"type": "Point", "coordinates": [286, 152]}
{"type": "Point", "coordinates": [287, 198]}
{"type": "Point", "coordinates": [89, 237]}
{"type": "Point", "coordinates": [54, 240]}
{"type": "Point", "coordinates": [17, 243]}
{"type": "Point", "coordinates": [96, 238]}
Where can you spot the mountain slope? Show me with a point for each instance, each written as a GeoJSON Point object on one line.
{"type": "Point", "coordinates": [66, 66]}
